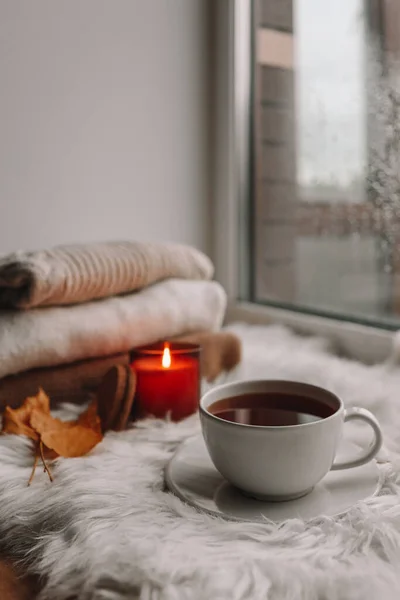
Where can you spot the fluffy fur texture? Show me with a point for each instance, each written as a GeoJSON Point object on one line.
{"type": "Point", "coordinates": [107, 530]}
{"type": "Point", "coordinates": [55, 336]}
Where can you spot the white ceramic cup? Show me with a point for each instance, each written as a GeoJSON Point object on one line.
{"type": "Point", "coordinates": [280, 462]}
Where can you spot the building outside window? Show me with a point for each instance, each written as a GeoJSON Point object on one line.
{"type": "Point", "coordinates": [323, 220]}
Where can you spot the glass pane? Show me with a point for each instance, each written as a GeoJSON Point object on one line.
{"type": "Point", "coordinates": [326, 212]}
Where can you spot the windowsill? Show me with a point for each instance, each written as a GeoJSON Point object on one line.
{"type": "Point", "coordinates": [361, 342]}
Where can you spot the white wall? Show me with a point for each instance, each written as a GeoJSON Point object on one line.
{"type": "Point", "coordinates": [103, 121]}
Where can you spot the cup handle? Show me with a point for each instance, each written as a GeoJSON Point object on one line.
{"type": "Point", "coordinates": [375, 446]}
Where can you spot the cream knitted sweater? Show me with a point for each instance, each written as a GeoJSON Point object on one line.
{"type": "Point", "coordinates": [79, 273]}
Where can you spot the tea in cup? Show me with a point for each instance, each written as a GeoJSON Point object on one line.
{"type": "Point", "coordinates": [275, 440]}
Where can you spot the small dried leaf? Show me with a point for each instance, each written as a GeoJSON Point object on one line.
{"type": "Point", "coordinates": [68, 438]}
{"type": "Point", "coordinates": [72, 442]}
{"type": "Point", "coordinates": [53, 437]}
{"type": "Point", "coordinates": [41, 422]}
{"type": "Point", "coordinates": [17, 421]}
{"type": "Point", "coordinates": [12, 424]}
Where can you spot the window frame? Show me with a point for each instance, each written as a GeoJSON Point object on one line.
{"type": "Point", "coordinates": [232, 247]}
{"type": "Point", "coordinates": [231, 127]}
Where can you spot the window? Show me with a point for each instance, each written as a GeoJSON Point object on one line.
{"type": "Point", "coordinates": [320, 220]}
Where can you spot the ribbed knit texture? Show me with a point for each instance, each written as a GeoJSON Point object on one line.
{"type": "Point", "coordinates": [79, 273]}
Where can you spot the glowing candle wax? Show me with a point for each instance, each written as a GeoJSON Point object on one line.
{"type": "Point", "coordinates": [168, 380]}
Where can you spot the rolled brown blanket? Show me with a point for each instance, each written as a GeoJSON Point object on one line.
{"type": "Point", "coordinates": [76, 382]}
{"type": "Point", "coordinates": [79, 273]}
{"type": "Point", "coordinates": [68, 383]}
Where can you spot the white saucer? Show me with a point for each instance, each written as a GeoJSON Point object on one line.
{"type": "Point", "coordinates": [191, 475]}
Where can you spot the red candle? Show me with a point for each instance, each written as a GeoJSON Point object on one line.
{"type": "Point", "coordinates": [168, 380]}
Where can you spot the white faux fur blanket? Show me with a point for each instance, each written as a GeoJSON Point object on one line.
{"type": "Point", "coordinates": [45, 337]}
{"type": "Point", "coordinates": [107, 530]}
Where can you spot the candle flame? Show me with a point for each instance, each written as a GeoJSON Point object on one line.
{"type": "Point", "coordinates": [166, 359]}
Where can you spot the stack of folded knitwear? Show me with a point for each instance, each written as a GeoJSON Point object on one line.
{"type": "Point", "coordinates": [69, 313]}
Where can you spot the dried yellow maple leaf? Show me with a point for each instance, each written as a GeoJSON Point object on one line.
{"type": "Point", "coordinates": [17, 420]}
{"type": "Point", "coordinates": [69, 439]}
{"type": "Point", "coordinates": [53, 437]}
